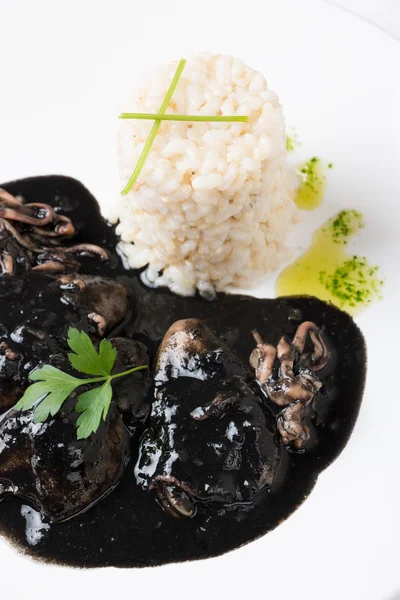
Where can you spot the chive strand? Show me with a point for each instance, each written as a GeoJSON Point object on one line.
{"type": "Point", "coordinates": [154, 129]}
{"type": "Point", "coordinates": [195, 118]}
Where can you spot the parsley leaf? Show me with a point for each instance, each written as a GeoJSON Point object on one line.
{"type": "Point", "coordinates": [86, 359]}
{"type": "Point", "coordinates": [52, 386]}
{"type": "Point", "coordinates": [93, 405]}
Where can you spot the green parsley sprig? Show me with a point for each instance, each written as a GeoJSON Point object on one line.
{"type": "Point", "coordinates": [53, 386]}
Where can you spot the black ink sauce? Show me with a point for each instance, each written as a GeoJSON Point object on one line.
{"type": "Point", "coordinates": [129, 528]}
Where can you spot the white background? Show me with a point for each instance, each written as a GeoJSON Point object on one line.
{"type": "Point", "coordinates": [62, 69]}
{"type": "Point", "coordinates": [382, 13]}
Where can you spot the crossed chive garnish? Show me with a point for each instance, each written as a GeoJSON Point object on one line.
{"type": "Point", "coordinates": [162, 116]}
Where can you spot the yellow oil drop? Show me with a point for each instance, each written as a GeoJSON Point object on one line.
{"type": "Point", "coordinates": [326, 270]}
{"type": "Point", "coordinates": [311, 191]}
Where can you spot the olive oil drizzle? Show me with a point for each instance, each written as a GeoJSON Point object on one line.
{"type": "Point", "coordinates": [326, 270]}
{"type": "Point", "coordinates": [311, 191]}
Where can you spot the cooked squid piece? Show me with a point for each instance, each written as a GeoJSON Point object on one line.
{"type": "Point", "coordinates": [295, 383]}
{"type": "Point", "coordinates": [208, 439]}
{"type": "Point", "coordinates": [32, 235]}
{"type": "Point", "coordinates": [49, 468]}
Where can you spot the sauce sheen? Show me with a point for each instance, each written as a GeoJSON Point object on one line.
{"type": "Point", "coordinates": [128, 528]}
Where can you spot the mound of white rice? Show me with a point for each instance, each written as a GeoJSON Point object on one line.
{"type": "Point", "coordinates": [213, 204]}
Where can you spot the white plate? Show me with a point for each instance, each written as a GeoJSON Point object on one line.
{"type": "Point", "coordinates": [66, 66]}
